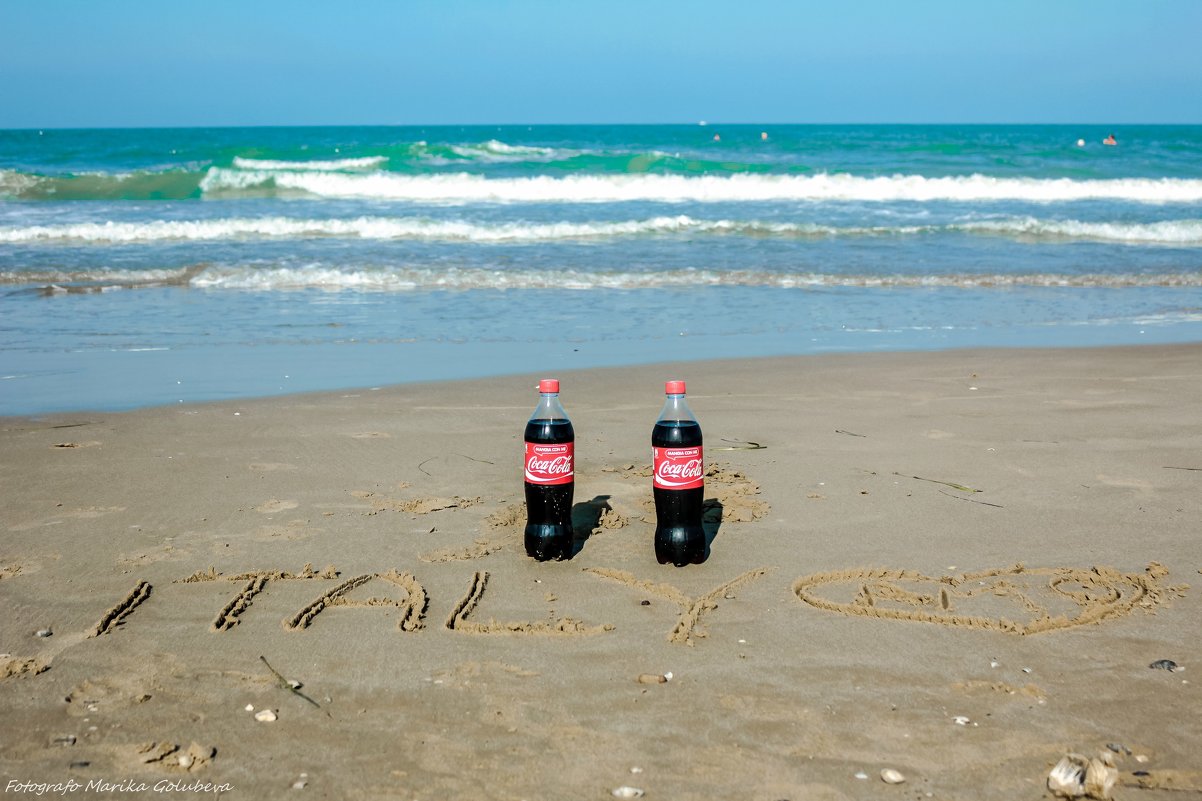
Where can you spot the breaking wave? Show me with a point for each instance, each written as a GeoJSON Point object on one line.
{"type": "Point", "coordinates": [335, 165]}
{"type": "Point", "coordinates": [1180, 233]}
{"type": "Point", "coordinates": [401, 279]}
{"type": "Point", "coordinates": [469, 188]}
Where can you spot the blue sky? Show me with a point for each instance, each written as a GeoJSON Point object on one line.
{"type": "Point", "coordinates": [266, 62]}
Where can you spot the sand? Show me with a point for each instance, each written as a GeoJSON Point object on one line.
{"type": "Point", "coordinates": [958, 566]}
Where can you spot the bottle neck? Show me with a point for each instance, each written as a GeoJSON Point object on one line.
{"type": "Point", "coordinates": [549, 408]}
{"type": "Point", "coordinates": [676, 408]}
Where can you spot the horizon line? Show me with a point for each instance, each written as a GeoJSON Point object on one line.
{"type": "Point", "coordinates": [695, 123]}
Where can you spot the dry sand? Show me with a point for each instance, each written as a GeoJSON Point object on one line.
{"type": "Point", "coordinates": [955, 565]}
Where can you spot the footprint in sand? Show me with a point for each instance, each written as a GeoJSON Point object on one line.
{"type": "Point", "coordinates": [274, 505]}
{"type": "Point", "coordinates": [504, 531]}
{"type": "Point", "coordinates": [12, 668]}
{"type": "Point", "coordinates": [1119, 482]}
{"type": "Point", "coordinates": [172, 757]}
{"type": "Point", "coordinates": [292, 531]}
{"type": "Point", "coordinates": [731, 497]}
{"type": "Point", "coordinates": [416, 506]}
{"type": "Point", "coordinates": [91, 512]}
{"type": "Point", "coordinates": [480, 547]}
{"type": "Point", "coordinates": [1016, 600]}
{"type": "Point", "coordinates": [736, 494]}
{"type": "Point", "coordinates": [138, 558]}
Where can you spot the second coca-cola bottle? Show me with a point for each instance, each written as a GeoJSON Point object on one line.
{"type": "Point", "coordinates": [550, 477]}
{"type": "Point", "coordinates": [679, 481]}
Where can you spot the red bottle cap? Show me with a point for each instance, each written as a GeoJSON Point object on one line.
{"type": "Point", "coordinates": [548, 385]}
{"type": "Point", "coordinates": [674, 388]}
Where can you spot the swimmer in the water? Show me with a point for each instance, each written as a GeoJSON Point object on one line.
{"type": "Point", "coordinates": [1110, 140]}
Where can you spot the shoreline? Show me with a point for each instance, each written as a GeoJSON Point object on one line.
{"type": "Point", "coordinates": [255, 374]}
{"type": "Point", "coordinates": [956, 564]}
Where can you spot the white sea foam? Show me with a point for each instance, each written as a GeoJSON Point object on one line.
{"type": "Point", "coordinates": [467, 188]}
{"type": "Point", "coordinates": [1165, 232]}
{"type": "Point", "coordinates": [496, 151]}
{"type": "Point", "coordinates": [407, 279]}
{"type": "Point", "coordinates": [400, 279]}
{"type": "Point", "coordinates": [13, 183]}
{"type": "Point", "coordinates": [364, 163]}
{"type": "Point", "coordinates": [359, 227]}
{"type": "Point", "coordinates": [101, 278]}
{"type": "Point", "coordinates": [1182, 233]}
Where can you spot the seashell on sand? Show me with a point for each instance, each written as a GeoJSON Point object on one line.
{"type": "Point", "coordinates": [265, 716]}
{"type": "Point", "coordinates": [891, 776]}
{"type": "Point", "coordinates": [626, 792]}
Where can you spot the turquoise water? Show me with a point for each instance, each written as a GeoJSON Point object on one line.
{"type": "Point", "coordinates": [145, 267]}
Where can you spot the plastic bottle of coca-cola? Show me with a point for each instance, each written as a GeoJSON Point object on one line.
{"type": "Point", "coordinates": [679, 482]}
{"type": "Point", "coordinates": [550, 476]}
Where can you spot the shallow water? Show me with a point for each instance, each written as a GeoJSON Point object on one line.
{"type": "Point", "coordinates": [149, 267]}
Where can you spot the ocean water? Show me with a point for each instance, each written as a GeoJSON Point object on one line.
{"type": "Point", "coordinates": [150, 267]}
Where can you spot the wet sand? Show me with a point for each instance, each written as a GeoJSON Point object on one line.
{"type": "Point", "coordinates": [958, 566]}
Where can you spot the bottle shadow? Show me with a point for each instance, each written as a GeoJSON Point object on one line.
{"type": "Point", "coordinates": [586, 516]}
{"type": "Point", "coordinates": [711, 521]}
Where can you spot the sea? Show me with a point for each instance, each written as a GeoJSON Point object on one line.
{"type": "Point", "coordinates": [163, 266]}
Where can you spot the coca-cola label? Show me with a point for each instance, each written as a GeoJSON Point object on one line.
{"type": "Point", "coordinates": [678, 468]}
{"type": "Point", "coordinates": [549, 464]}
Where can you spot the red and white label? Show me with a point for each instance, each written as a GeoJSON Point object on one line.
{"type": "Point", "coordinates": [678, 468]}
{"type": "Point", "coordinates": [549, 464]}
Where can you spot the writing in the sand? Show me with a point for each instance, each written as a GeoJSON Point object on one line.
{"type": "Point", "coordinates": [1047, 596]}
{"type": "Point", "coordinates": [408, 596]}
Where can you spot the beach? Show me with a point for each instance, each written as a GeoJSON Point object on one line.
{"type": "Point", "coordinates": [958, 565]}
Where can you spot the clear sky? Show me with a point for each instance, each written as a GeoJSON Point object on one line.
{"type": "Point", "coordinates": [116, 63]}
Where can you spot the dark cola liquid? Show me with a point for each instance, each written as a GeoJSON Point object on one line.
{"type": "Point", "coordinates": [679, 537]}
{"type": "Point", "coordinates": [549, 507]}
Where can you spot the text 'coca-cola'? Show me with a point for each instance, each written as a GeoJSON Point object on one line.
{"type": "Point", "coordinates": [549, 464]}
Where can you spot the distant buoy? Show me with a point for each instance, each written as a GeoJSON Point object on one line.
{"type": "Point", "coordinates": [1080, 143]}
{"type": "Point", "coordinates": [764, 136]}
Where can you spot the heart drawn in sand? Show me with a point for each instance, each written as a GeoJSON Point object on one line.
{"type": "Point", "coordinates": [1017, 599]}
